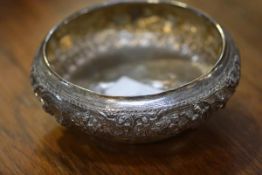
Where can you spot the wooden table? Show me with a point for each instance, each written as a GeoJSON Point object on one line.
{"type": "Point", "coordinates": [31, 142]}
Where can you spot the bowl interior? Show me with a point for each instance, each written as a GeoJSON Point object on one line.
{"type": "Point", "coordinates": [157, 46]}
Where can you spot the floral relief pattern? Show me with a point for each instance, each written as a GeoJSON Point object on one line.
{"type": "Point", "coordinates": [134, 126]}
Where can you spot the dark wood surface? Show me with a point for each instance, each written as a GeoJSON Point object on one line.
{"type": "Point", "coordinates": [31, 142]}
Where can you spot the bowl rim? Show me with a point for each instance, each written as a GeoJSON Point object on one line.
{"type": "Point", "coordinates": [102, 5]}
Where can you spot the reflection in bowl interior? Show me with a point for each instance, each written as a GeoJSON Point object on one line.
{"type": "Point", "coordinates": [116, 49]}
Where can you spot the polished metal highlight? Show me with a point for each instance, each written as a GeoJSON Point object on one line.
{"type": "Point", "coordinates": [164, 44]}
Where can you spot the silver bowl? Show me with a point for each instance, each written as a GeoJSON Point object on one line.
{"type": "Point", "coordinates": [166, 45]}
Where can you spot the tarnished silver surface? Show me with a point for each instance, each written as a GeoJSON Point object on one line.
{"type": "Point", "coordinates": [188, 55]}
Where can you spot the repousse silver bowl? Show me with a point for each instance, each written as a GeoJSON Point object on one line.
{"type": "Point", "coordinates": [163, 44]}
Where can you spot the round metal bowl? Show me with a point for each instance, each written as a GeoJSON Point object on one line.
{"type": "Point", "coordinates": [167, 45]}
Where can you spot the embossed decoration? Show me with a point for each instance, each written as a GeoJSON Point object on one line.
{"type": "Point", "coordinates": [138, 119]}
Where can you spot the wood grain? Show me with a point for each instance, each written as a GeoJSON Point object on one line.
{"type": "Point", "coordinates": [31, 142]}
